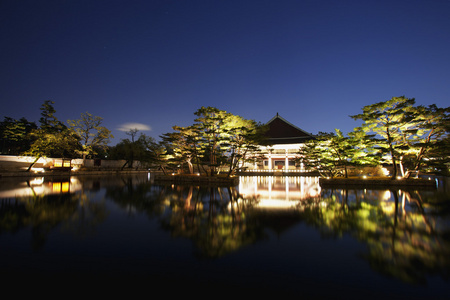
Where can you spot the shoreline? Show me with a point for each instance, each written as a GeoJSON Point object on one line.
{"type": "Point", "coordinates": [190, 179]}
{"type": "Point", "coordinates": [368, 182]}
{"type": "Point", "coordinates": [231, 181]}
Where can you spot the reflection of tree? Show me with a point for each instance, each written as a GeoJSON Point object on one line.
{"type": "Point", "coordinates": [132, 194]}
{"type": "Point", "coordinates": [216, 219]}
{"type": "Point", "coordinates": [44, 213]}
{"type": "Point", "coordinates": [12, 216]}
{"type": "Point", "coordinates": [404, 239]}
{"type": "Point", "coordinates": [86, 216]}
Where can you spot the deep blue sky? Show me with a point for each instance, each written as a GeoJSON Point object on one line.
{"type": "Point", "coordinates": [155, 62]}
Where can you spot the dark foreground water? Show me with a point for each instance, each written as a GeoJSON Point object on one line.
{"type": "Point", "coordinates": [270, 235]}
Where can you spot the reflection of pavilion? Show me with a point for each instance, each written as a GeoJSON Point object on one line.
{"type": "Point", "coordinates": [279, 191]}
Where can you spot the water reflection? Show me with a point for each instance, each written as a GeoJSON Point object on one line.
{"type": "Point", "coordinates": [36, 186]}
{"type": "Point", "coordinates": [42, 205]}
{"type": "Point", "coordinates": [279, 191]}
{"type": "Point", "coordinates": [214, 218]}
{"type": "Point", "coordinates": [406, 232]}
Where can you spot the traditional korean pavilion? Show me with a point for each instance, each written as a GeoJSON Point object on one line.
{"type": "Point", "coordinates": [283, 142]}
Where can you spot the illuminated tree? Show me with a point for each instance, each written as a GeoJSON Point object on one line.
{"type": "Point", "coordinates": [388, 120]}
{"type": "Point", "coordinates": [333, 153]}
{"type": "Point", "coordinates": [342, 148]}
{"type": "Point", "coordinates": [52, 138]}
{"type": "Point", "coordinates": [183, 145]}
{"type": "Point", "coordinates": [362, 150]}
{"type": "Point", "coordinates": [210, 126]}
{"type": "Point", "coordinates": [242, 139]}
{"type": "Point", "coordinates": [427, 139]}
{"type": "Point", "coordinates": [314, 154]}
{"type": "Point", "coordinates": [93, 136]}
{"type": "Point", "coordinates": [228, 140]}
{"type": "Point", "coordinates": [408, 134]}
{"type": "Point", "coordinates": [216, 139]}
{"type": "Point", "coordinates": [160, 156]}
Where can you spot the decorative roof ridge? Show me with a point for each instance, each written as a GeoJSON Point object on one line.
{"type": "Point", "coordinates": [286, 121]}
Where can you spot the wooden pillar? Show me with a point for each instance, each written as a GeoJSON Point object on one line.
{"type": "Point", "coordinates": [286, 161]}
{"type": "Point", "coordinates": [269, 165]}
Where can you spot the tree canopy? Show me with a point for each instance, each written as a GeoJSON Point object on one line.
{"type": "Point", "coordinates": [217, 140]}
{"type": "Point", "coordinates": [331, 154]}
{"type": "Point", "coordinates": [51, 137]}
{"type": "Point", "coordinates": [93, 136]}
{"type": "Point", "coordinates": [395, 132]}
{"type": "Point", "coordinates": [404, 131]}
{"type": "Point", "coordinates": [15, 135]}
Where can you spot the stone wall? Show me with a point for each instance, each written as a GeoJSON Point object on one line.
{"type": "Point", "coordinates": [10, 163]}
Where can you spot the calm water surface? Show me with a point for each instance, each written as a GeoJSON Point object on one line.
{"type": "Point", "coordinates": [284, 235]}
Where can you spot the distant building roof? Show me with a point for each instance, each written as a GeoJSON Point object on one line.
{"type": "Point", "coordinates": [283, 132]}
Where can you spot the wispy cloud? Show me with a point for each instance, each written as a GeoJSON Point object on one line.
{"type": "Point", "coordinates": [139, 126]}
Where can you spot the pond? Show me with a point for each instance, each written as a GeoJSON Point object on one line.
{"type": "Point", "coordinates": [281, 235]}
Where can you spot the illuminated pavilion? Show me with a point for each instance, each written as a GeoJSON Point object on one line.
{"type": "Point", "coordinates": [283, 142]}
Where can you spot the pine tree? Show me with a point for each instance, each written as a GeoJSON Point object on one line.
{"type": "Point", "coordinates": [388, 120]}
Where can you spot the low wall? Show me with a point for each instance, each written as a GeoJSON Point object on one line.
{"type": "Point", "coordinates": [105, 164]}
{"type": "Point", "coordinates": [17, 165]}
{"type": "Point", "coordinates": [10, 163]}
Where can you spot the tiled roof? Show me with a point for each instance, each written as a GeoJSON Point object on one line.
{"type": "Point", "coordinates": [282, 132]}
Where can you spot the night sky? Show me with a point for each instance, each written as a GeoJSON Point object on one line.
{"type": "Point", "coordinates": [155, 62]}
